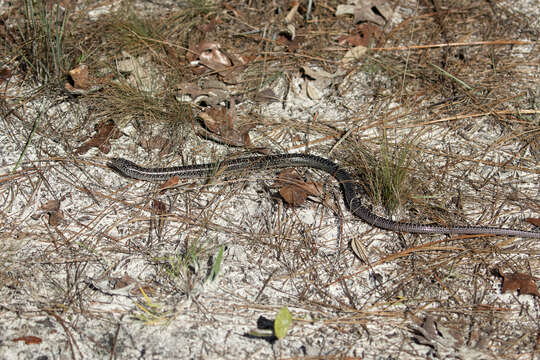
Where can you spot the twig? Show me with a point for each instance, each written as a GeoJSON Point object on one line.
{"type": "Point", "coordinates": [474, 43]}
{"type": "Point", "coordinates": [465, 116]}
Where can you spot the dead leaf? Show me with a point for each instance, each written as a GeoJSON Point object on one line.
{"type": "Point", "coordinates": [292, 195]}
{"type": "Point", "coordinates": [29, 339]}
{"type": "Point", "coordinates": [79, 75]}
{"type": "Point", "coordinates": [356, 53]}
{"type": "Point", "coordinates": [52, 208]}
{"type": "Point", "coordinates": [5, 74]}
{"type": "Point", "coordinates": [157, 142]}
{"type": "Point", "coordinates": [266, 96]}
{"type": "Point", "coordinates": [210, 55]}
{"type": "Point", "coordinates": [444, 340]}
{"type": "Point", "coordinates": [56, 218]}
{"type": "Point", "coordinates": [294, 190]}
{"type": "Point", "coordinates": [375, 11]}
{"type": "Point", "coordinates": [313, 91]}
{"type": "Point", "coordinates": [359, 249]}
{"type": "Point", "coordinates": [534, 221]}
{"type": "Point", "coordinates": [105, 131]}
{"type": "Point", "coordinates": [362, 36]}
{"type": "Point", "coordinates": [292, 44]}
{"type": "Point", "coordinates": [51, 205]}
{"type": "Point", "coordinates": [292, 13]}
{"type": "Point", "coordinates": [220, 121]}
{"type": "Point", "coordinates": [82, 83]}
{"type": "Point", "coordinates": [519, 281]}
{"type": "Point", "coordinates": [170, 183]}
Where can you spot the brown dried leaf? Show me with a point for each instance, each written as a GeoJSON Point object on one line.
{"type": "Point", "coordinates": [170, 183]}
{"type": "Point", "coordinates": [52, 208]}
{"type": "Point", "coordinates": [364, 33]}
{"type": "Point", "coordinates": [82, 83]}
{"type": "Point", "coordinates": [519, 281]}
{"type": "Point", "coordinates": [292, 195]}
{"type": "Point", "coordinates": [291, 44]}
{"type": "Point", "coordinates": [79, 75]}
{"type": "Point", "coordinates": [28, 339]}
{"type": "Point", "coordinates": [51, 205]}
{"type": "Point", "coordinates": [220, 121]}
{"type": "Point", "coordinates": [353, 40]}
{"type": "Point", "coordinates": [105, 131]}
{"type": "Point", "coordinates": [295, 190]}
{"type": "Point", "coordinates": [216, 119]}
{"type": "Point", "coordinates": [56, 218]}
{"type": "Point", "coordinates": [375, 11]}
{"type": "Point", "coordinates": [5, 74]}
{"type": "Point", "coordinates": [212, 56]}
{"type": "Point", "coordinates": [311, 188]}
{"type": "Point", "coordinates": [534, 221]}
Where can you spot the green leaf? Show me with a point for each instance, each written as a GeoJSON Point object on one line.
{"type": "Point", "coordinates": [282, 323]}
{"type": "Point", "coordinates": [217, 264]}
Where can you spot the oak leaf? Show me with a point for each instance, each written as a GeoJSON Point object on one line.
{"type": "Point", "coordinates": [295, 190]}
{"type": "Point", "coordinates": [519, 281]}
{"type": "Point", "coordinates": [104, 132]}
{"type": "Point", "coordinates": [220, 122]}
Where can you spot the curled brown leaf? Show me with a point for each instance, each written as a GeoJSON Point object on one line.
{"type": "Point", "coordinates": [519, 281]}
{"type": "Point", "coordinates": [294, 190]}
{"type": "Point", "coordinates": [221, 123]}
{"type": "Point", "coordinates": [104, 132]}
{"type": "Point", "coordinates": [29, 339]}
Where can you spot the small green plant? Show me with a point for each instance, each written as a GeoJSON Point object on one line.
{"type": "Point", "coordinates": [187, 266]}
{"type": "Point", "coordinates": [217, 264]}
{"type": "Point", "coordinates": [182, 265]}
